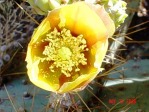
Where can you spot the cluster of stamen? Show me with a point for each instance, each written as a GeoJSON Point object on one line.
{"type": "Point", "coordinates": [64, 51]}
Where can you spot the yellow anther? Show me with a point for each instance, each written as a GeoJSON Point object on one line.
{"type": "Point", "coordinates": [64, 51]}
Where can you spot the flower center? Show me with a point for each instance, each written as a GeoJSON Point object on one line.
{"type": "Point", "coordinates": [64, 51]}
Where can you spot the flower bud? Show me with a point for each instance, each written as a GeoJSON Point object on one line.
{"type": "Point", "coordinates": [6, 57]}
{"type": "Point", "coordinates": [3, 48]}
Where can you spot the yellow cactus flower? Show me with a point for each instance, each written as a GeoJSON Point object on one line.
{"type": "Point", "coordinates": [67, 49]}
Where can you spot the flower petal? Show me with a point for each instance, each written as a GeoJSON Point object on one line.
{"type": "Point", "coordinates": [80, 19]}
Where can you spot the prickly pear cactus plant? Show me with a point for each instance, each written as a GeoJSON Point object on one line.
{"type": "Point", "coordinates": [67, 49]}
{"type": "Point", "coordinates": [66, 52]}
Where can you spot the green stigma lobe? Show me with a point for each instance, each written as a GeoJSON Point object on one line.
{"type": "Point", "coordinates": [64, 53]}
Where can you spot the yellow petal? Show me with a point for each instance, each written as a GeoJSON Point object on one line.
{"type": "Point", "coordinates": [80, 19]}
